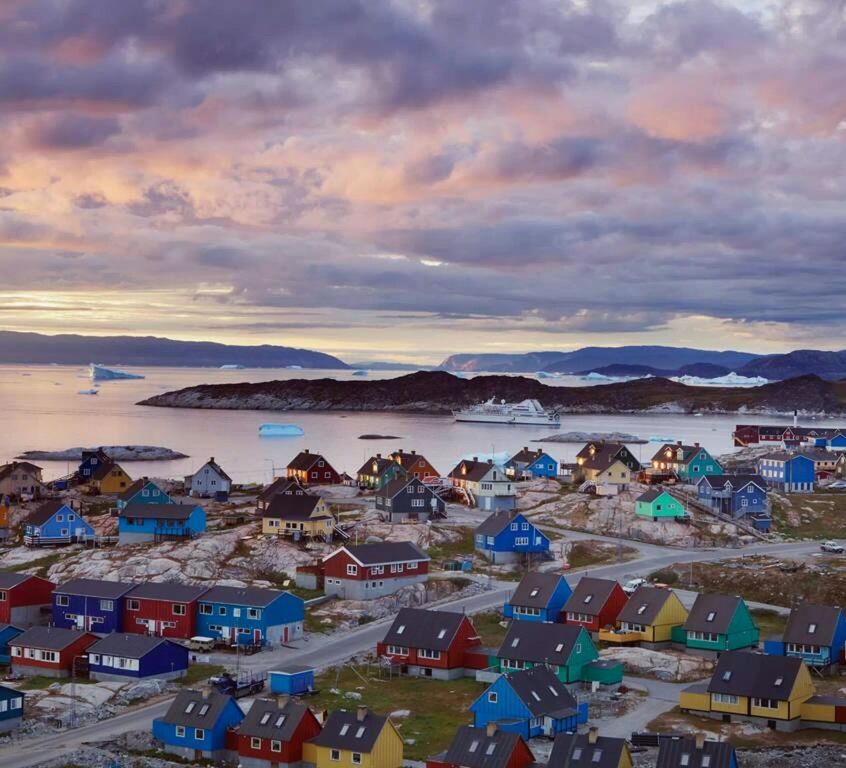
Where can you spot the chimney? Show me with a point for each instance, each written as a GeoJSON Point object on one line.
{"type": "Point", "coordinates": [361, 714]}
{"type": "Point", "coordinates": [678, 442]}
{"type": "Point", "coordinates": [700, 741]}
{"type": "Point", "coordinates": [305, 450]}
{"type": "Point", "coordinates": [490, 730]}
{"type": "Point", "coordinates": [593, 734]}
{"type": "Point", "coordinates": [696, 445]}
{"type": "Point", "coordinates": [211, 459]}
{"type": "Point", "coordinates": [525, 447]}
{"type": "Point", "coordinates": [413, 452]}
{"type": "Point", "coordinates": [378, 455]}
{"type": "Point", "coordinates": [795, 418]}
{"type": "Point", "coordinates": [475, 458]}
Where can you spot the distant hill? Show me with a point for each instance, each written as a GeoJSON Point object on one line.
{"type": "Point", "coordinates": [387, 365]}
{"type": "Point", "coordinates": [591, 358]}
{"type": "Point", "coordinates": [828, 365]}
{"type": "Point", "coordinates": [71, 349]}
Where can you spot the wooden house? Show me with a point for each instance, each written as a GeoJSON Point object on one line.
{"type": "Point", "coordinates": [11, 708]}
{"type": "Point", "coordinates": [589, 750]}
{"type": "Point", "coordinates": [93, 605]}
{"type": "Point", "coordinates": [140, 523]}
{"type": "Point", "coordinates": [24, 599]}
{"type": "Point", "coordinates": [162, 609]}
{"type": "Point", "coordinates": [272, 734]}
{"type": "Point", "coordinates": [110, 478]}
{"type": "Point", "coordinates": [509, 537]}
{"type": "Point", "coordinates": [352, 739]}
{"type": "Point", "coordinates": [143, 491]}
{"type": "Point", "coordinates": [379, 471]}
{"type": "Point", "coordinates": [368, 571]}
{"type": "Point", "coordinates": [48, 651]}
{"type": "Point", "coordinates": [789, 472]}
{"type": "Point", "coordinates": [686, 462]}
{"type": "Point", "coordinates": [737, 496]}
{"type": "Point", "coordinates": [417, 465]}
{"type": "Point", "coordinates": [695, 752]}
{"type": "Point", "coordinates": [55, 523]}
{"type": "Point", "coordinates": [312, 469]}
{"type": "Point", "coordinates": [123, 656]}
{"type": "Point", "coordinates": [8, 632]}
{"type": "Point", "coordinates": [488, 747]}
{"type": "Point", "coordinates": [281, 486]}
{"type": "Point", "coordinates": [300, 517]}
{"type": "Point", "coordinates": [718, 623]}
{"type": "Point", "coordinates": [540, 596]}
{"type": "Point", "coordinates": [526, 464]}
{"type": "Point", "coordinates": [648, 618]}
{"type": "Point", "coordinates": [209, 481]}
{"type": "Point", "coordinates": [486, 483]}
{"type": "Point", "coordinates": [605, 462]}
{"type": "Point", "coordinates": [90, 463]}
{"type": "Point", "coordinates": [21, 479]}
{"type": "Point", "coordinates": [595, 603]}
{"type": "Point", "coordinates": [659, 504]}
{"type": "Point", "coordinates": [409, 499]}
{"type": "Point", "coordinates": [566, 649]}
{"type": "Point", "coordinates": [814, 633]}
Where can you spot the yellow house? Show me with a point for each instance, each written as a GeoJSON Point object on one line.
{"type": "Point", "coordinates": [359, 739]}
{"type": "Point", "coordinates": [769, 689]}
{"type": "Point", "coordinates": [110, 478]}
{"type": "Point", "coordinates": [299, 516]}
{"type": "Point", "coordinates": [648, 617]}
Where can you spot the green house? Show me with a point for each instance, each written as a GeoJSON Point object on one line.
{"type": "Point", "coordinates": [720, 623]}
{"type": "Point", "coordinates": [567, 649]}
{"type": "Point", "coordinates": [659, 504]}
{"type": "Point", "coordinates": [687, 462]}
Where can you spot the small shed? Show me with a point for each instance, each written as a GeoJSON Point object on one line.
{"type": "Point", "coordinates": [292, 680]}
{"type": "Point", "coordinates": [11, 708]}
{"type": "Point", "coordinates": [603, 671]}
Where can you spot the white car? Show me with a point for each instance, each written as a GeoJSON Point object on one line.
{"type": "Point", "coordinates": [829, 546]}
{"type": "Point", "coordinates": [632, 584]}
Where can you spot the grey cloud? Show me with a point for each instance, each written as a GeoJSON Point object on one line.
{"type": "Point", "coordinates": [70, 131]}
{"type": "Point", "coordinates": [163, 198]}
{"type": "Point", "coordinates": [90, 200]}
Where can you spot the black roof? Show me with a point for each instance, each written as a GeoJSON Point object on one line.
{"type": "Point", "coordinates": [590, 595]}
{"type": "Point", "coordinates": [12, 580]}
{"type": "Point", "coordinates": [306, 460]}
{"type": "Point", "coordinates": [539, 642]}
{"type": "Point", "coordinates": [542, 692]}
{"type": "Point", "coordinates": [712, 613]}
{"type": "Point", "coordinates": [421, 628]}
{"type": "Point", "coordinates": [128, 645]}
{"type": "Point", "coordinates": [574, 750]}
{"type": "Point", "coordinates": [267, 720]}
{"type": "Point", "coordinates": [355, 731]}
{"type": "Point", "coordinates": [526, 456]}
{"type": "Point", "coordinates": [158, 511]}
{"type": "Point", "coordinates": [106, 590]}
{"type": "Point", "coordinates": [644, 605]}
{"type": "Point", "coordinates": [784, 456]}
{"type": "Point", "coordinates": [653, 493]}
{"type": "Point", "coordinates": [811, 624]}
{"type": "Point", "coordinates": [280, 485]}
{"type": "Point", "coordinates": [474, 748]}
{"type": "Point", "coordinates": [474, 470]}
{"type": "Point", "coordinates": [45, 511]}
{"type": "Point", "coordinates": [193, 709]}
{"type": "Point", "coordinates": [385, 552]}
{"type": "Point", "coordinates": [48, 638]}
{"type": "Point", "coordinates": [742, 673]}
{"type": "Point", "coordinates": [399, 484]}
{"type": "Point", "coordinates": [736, 481]}
{"type": "Point", "coordinates": [376, 465]}
{"type": "Point", "coordinates": [292, 507]}
{"type": "Point", "coordinates": [168, 590]}
{"type": "Point", "coordinates": [672, 750]}
{"type": "Point", "coordinates": [496, 522]}
{"type": "Point", "coordinates": [535, 589]}
{"type": "Point", "coordinates": [254, 596]}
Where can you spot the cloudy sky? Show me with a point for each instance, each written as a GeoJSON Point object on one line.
{"type": "Point", "coordinates": [409, 178]}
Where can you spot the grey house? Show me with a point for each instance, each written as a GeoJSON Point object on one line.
{"type": "Point", "coordinates": [209, 480]}
{"type": "Point", "coordinates": [368, 571]}
{"type": "Point", "coordinates": [407, 498]}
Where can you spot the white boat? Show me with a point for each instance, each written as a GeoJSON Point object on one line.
{"type": "Point", "coordinates": [525, 412]}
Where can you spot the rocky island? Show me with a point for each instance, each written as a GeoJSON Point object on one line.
{"type": "Point", "coordinates": [115, 452]}
{"type": "Point", "coordinates": [439, 392]}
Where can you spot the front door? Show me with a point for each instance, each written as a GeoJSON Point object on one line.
{"type": "Point", "coordinates": [151, 626]}
{"type": "Point", "coordinates": [284, 634]}
{"type": "Point", "coordinates": [79, 621]}
{"type": "Point", "coordinates": [257, 636]}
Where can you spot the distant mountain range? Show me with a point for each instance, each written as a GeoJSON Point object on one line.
{"type": "Point", "coordinates": [70, 349]}
{"type": "Point", "coordinates": [658, 361]}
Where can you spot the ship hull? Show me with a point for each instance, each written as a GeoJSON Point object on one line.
{"type": "Point", "coordinates": [492, 418]}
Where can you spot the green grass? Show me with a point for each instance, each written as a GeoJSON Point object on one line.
{"type": "Point", "coordinates": [586, 553]}
{"type": "Point", "coordinates": [822, 515]}
{"type": "Point", "coordinates": [769, 622]}
{"type": "Point", "coordinates": [40, 683]}
{"type": "Point", "coordinates": [314, 623]}
{"type": "Point", "coordinates": [449, 550]}
{"type": "Point", "coordinates": [200, 673]}
{"type": "Point", "coordinates": [437, 707]}
{"type": "Point", "coordinates": [489, 629]}
{"type": "Point", "coordinates": [41, 565]}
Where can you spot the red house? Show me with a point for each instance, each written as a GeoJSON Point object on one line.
{"type": "Point", "coordinates": [271, 735]}
{"type": "Point", "coordinates": [367, 571]}
{"type": "Point", "coordinates": [594, 604]}
{"type": "Point", "coordinates": [164, 610]}
{"type": "Point", "coordinates": [482, 748]}
{"type": "Point", "coordinates": [312, 469]}
{"type": "Point", "coordinates": [23, 599]}
{"type": "Point", "coordinates": [437, 644]}
{"type": "Point", "coordinates": [48, 651]}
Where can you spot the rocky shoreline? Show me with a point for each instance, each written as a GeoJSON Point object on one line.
{"type": "Point", "coordinates": [115, 452]}
{"type": "Point", "coordinates": [438, 392]}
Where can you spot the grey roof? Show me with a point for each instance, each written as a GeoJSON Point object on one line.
{"type": "Point", "coordinates": [399, 484]}
{"type": "Point", "coordinates": [158, 511]}
{"type": "Point", "coordinates": [654, 493]}
{"type": "Point", "coordinates": [281, 485]}
{"type": "Point", "coordinates": [671, 750]}
{"type": "Point", "coordinates": [574, 750]}
{"type": "Point", "coordinates": [604, 455]}
{"type": "Point", "coordinates": [784, 456]}
{"type": "Point", "coordinates": [421, 628]}
{"type": "Point", "coordinates": [359, 735]}
{"type": "Point", "coordinates": [542, 692]}
{"type": "Point", "coordinates": [293, 507]}
{"type": "Point", "coordinates": [644, 605]}
{"type": "Point", "coordinates": [106, 590]}
{"type": "Point", "coordinates": [526, 456]}
{"type": "Point", "coordinates": [181, 711]}
{"type": "Point", "coordinates": [386, 552]}
{"type": "Point", "coordinates": [712, 613]}
{"type": "Point", "coordinates": [473, 748]}
{"type": "Point", "coordinates": [45, 511]}
{"type": "Point", "coordinates": [823, 618]}
{"type": "Point", "coordinates": [496, 522]}
{"type": "Point", "coordinates": [590, 595]}
{"type": "Point", "coordinates": [7, 469]}
{"type": "Point", "coordinates": [736, 481]}
{"type": "Point", "coordinates": [254, 596]}
{"type": "Point", "coordinates": [475, 470]}
{"type": "Point", "coordinates": [539, 642]}
{"type": "Point", "coordinates": [535, 589]}
{"type": "Point", "coordinates": [267, 720]}
{"type": "Point", "coordinates": [168, 590]}
{"type": "Point", "coordinates": [753, 674]}
{"type": "Point", "coordinates": [216, 467]}
{"type": "Point", "coordinates": [689, 452]}
{"type": "Point", "coordinates": [48, 638]}
{"type": "Point", "coordinates": [12, 580]}
{"type": "Point", "coordinates": [130, 646]}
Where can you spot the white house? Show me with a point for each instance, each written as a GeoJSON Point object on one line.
{"type": "Point", "coordinates": [208, 480]}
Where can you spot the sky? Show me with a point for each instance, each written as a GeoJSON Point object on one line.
{"type": "Point", "coordinates": [407, 179]}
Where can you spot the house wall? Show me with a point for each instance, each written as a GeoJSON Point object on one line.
{"type": "Point", "coordinates": [207, 482]}
{"type": "Point", "coordinates": [279, 622]}
{"type": "Point", "coordinates": [664, 506]}
{"type": "Point", "coordinates": [154, 613]}
{"type": "Point", "coordinates": [59, 530]}
{"type": "Point", "coordinates": [673, 614]}
{"type": "Point", "coordinates": [291, 751]}
{"type": "Point", "coordinates": [89, 613]}
{"type": "Point", "coordinates": [22, 604]}
{"type": "Point", "coordinates": [168, 661]}
{"type": "Point", "coordinates": [59, 668]}
{"type": "Point", "coordinates": [138, 529]}
{"type": "Point", "coordinates": [508, 706]}
{"type": "Point", "coordinates": [695, 700]}
{"type": "Point", "coordinates": [116, 481]}
{"type": "Point", "coordinates": [11, 708]}
{"type": "Point", "coordinates": [214, 738]}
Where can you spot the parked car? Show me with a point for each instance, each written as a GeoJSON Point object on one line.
{"type": "Point", "coordinates": [632, 584]}
{"type": "Point", "coordinates": [832, 546]}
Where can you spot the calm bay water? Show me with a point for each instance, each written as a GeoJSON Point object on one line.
{"type": "Point", "coordinates": [41, 409]}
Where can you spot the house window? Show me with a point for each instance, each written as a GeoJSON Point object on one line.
{"type": "Point", "coordinates": [62, 600]}
{"type": "Point", "coordinates": [255, 743]}
{"type": "Point", "coordinates": [60, 518]}
{"type": "Point", "coordinates": [356, 758]}
{"type": "Point", "coordinates": [725, 698]}
{"type": "Point", "coordinates": [107, 605]}
{"type": "Point", "coordinates": [199, 734]}
{"type": "Point", "coordinates": [221, 610]}
{"type": "Point", "coordinates": [180, 731]}
{"type": "Point", "coordinates": [514, 526]}
{"type": "Point", "coordinates": [253, 613]}
{"type": "Point", "coordinates": [275, 746]}
{"type": "Point", "coordinates": [205, 609]}
{"type": "Point", "coordinates": [133, 605]}
{"type": "Point", "coordinates": [352, 570]}
{"type": "Point", "coordinates": [397, 650]}
{"type": "Point", "coordinates": [425, 653]}
{"type": "Point", "coordinates": [492, 697]}
{"type": "Point", "coordinates": [178, 609]}
{"type": "Point", "coordinates": [335, 755]}
{"type": "Point", "coordinates": [412, 566]}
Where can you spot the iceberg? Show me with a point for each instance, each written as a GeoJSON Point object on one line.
{"type": "Point", "coordinates": [500, 457]}
{"type": "Point", "coordinates": [101, 373]}
{"type": "Point", "coordinates": [293, 367]}
{"type": "Point", "coordinates": [280, 430]}
{"type": "Point", "coordinates": [729, 380]}
{"type": "Point", "coordinates": [232, 367]}
{"type": "Point", "coordinates": [359, 373]}
{"type": "Point", "coordinates": [601, 377]}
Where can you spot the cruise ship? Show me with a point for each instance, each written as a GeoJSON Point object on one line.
{"type": "Point", "coordinates": [525, 412]}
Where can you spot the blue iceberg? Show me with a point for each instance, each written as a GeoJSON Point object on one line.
{"type": "Point", "coordinates": [359, 373]}
{"type": "Point", "coordinates": [280, 430]}
{"type": "Point", "coordinates": [101, 373]}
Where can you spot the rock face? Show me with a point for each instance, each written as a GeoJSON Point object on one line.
{"type": "Point", "coordinates": [441, 392]}
{"type": "Point", "coordinates": [116, 452]}
{"type": "Point", "coordinates": [664, 665]}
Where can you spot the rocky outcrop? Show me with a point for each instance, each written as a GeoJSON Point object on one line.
{"type": "Point", "coordinates": [122, 453]}
{"type": "Point", "coordinates": [441, 392]}
{"type": "Point", "coordinates": [664, 665]}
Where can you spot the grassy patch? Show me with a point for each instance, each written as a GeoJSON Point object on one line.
{"type": "Point", "coordinates": [314, 623]}
{"type": "Point", "coordinates": [449, 550]}
{"type": "Point", "coordinates": [582, 554]}
{"type": "Point", "coordinates": [817, 515]}
{"type": "Point", "coordinates": [41, 565]}
{"type": "Point", "coordinates": [40, 683]}
{"type": "Point", "coordinates": [489, 629]}
{"type": "Point", "coordinates": [437, 707]}
{"type": "Point", "coordinates": [200, 673]}
{"type": "Point", "coordinates": [769, 622]}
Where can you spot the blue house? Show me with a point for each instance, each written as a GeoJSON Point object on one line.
{"type": "Point", "coordinates": [538, 597]}
{"type": "Point", "coordinates": [533, 702]}
{"type": "Point", "coordinates": [195, 726]}
{"type": "Point", "coordinates": [7, 632]}
{"type": "Point", "coordinates": [507, 537]}
{"type": "Point", "coordinates": [530, 464]}
{"type": "Point", "coordinates": [291, 680]}
{"type": "Point", "coordinates": [54, 522]}
{"type": "Point", "coordinates": [143, 491]}
{"type": "Point", "coordinates": [837, 441]}
{"type": "Point", "coordinates": [11, 708]}
{"type": "Point", "coordinates": [90, 604]}
{"type": "Point", "coordinates": [121, 656]}
{"type": "Point", "coordinates": [250, 616]}
{"type": "Point", "coordinates": [91, 462]}
{"type": "Point", "coordinates": [155, 522]}
{"type": "Point", "coordinates": [814, 633]}
{"type": "Point", "coordinates": [737, 496]}
{"type": "Point", "coordinates": [789, 472]}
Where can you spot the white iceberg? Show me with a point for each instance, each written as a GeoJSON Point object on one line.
{"type": "Point", "coordinates": [101, 373]}
{"type": "Point", "coordinates": [601, 377]}
{"type": "Point", "coordinates": [359, 373]}
{"type": "Point", "coordinates": [280, 430]}
{"type": "Point", "coordinates": [499, 458]}
{"type": "Point", "coordinates": [729, 380]}
{"type": "Point", "coordinates": [294, 367]}
{"type": "Point", "coordinates": [232, 367]}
